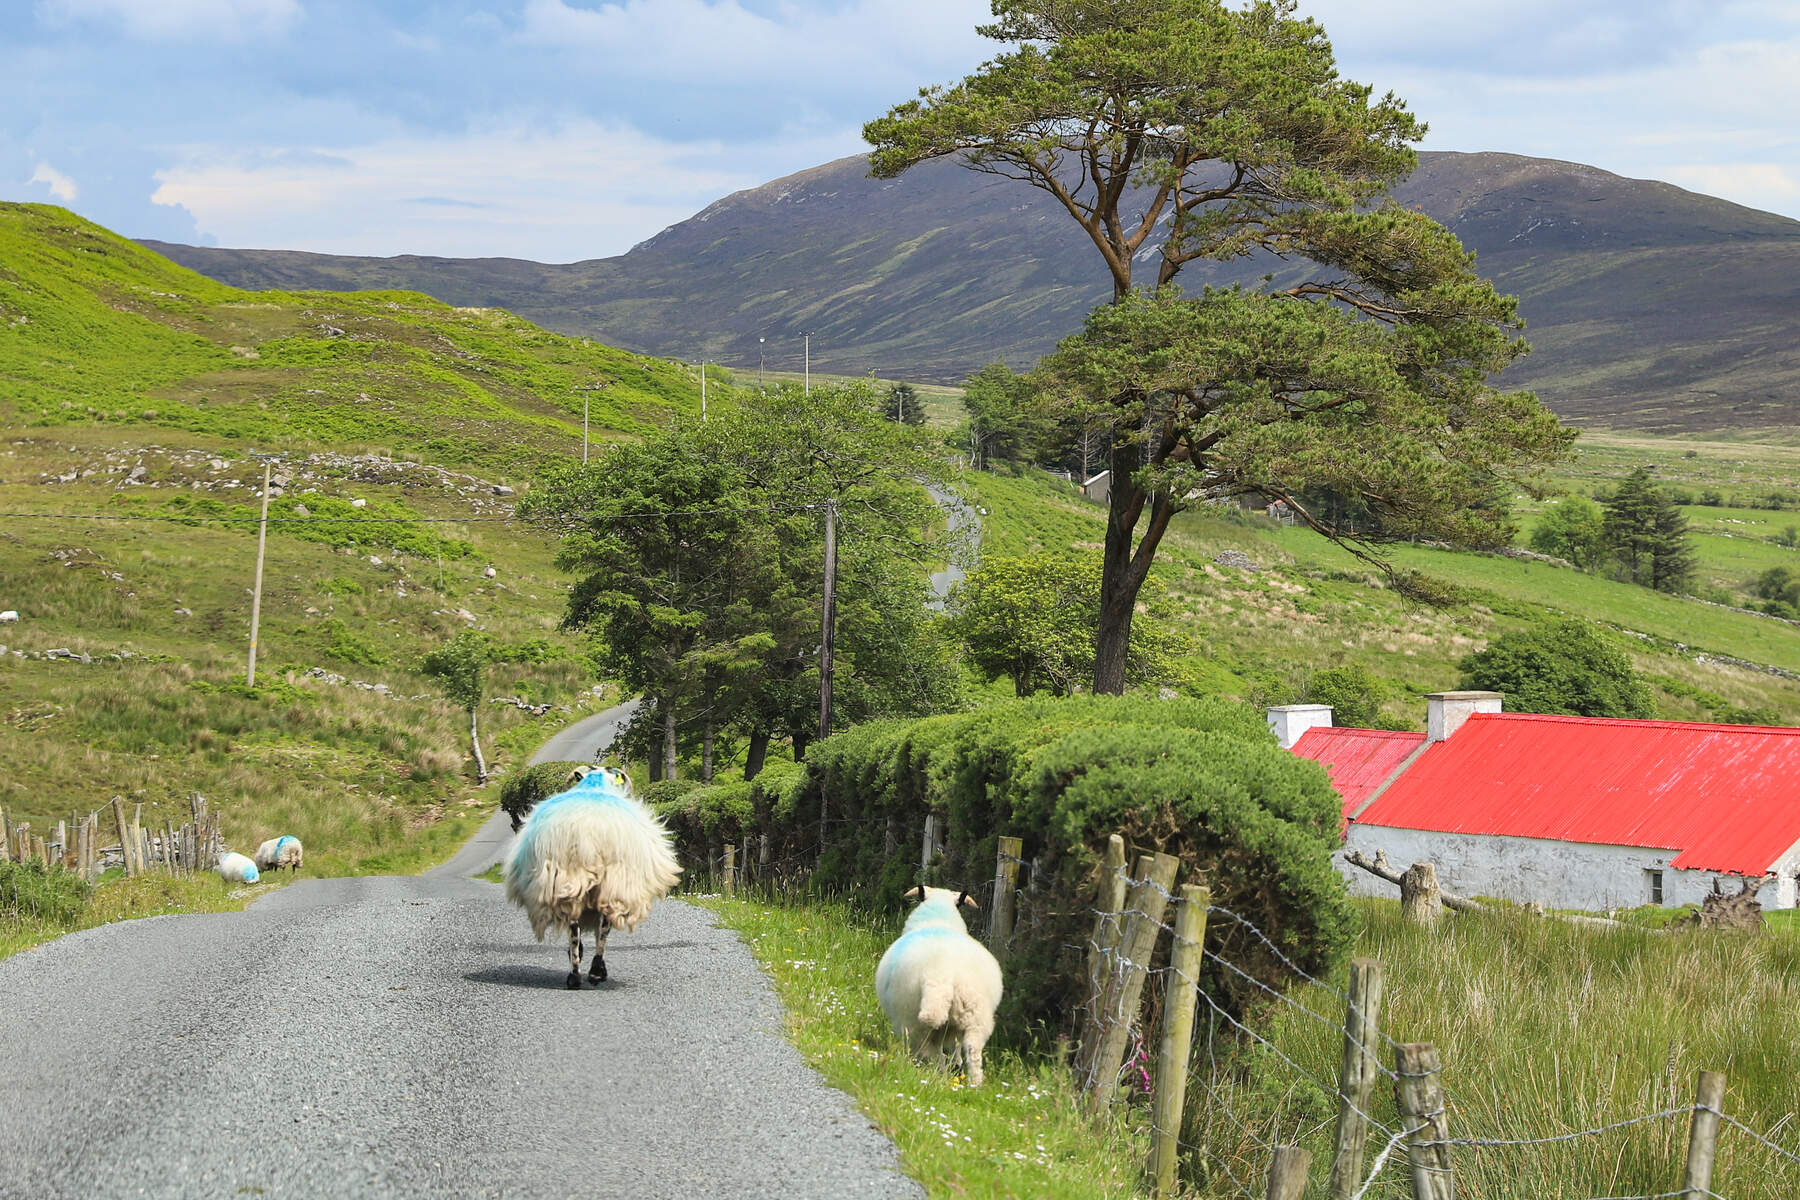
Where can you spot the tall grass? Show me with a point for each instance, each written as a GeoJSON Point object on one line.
{"type": "Point", "coordinates": [1545, 1028]}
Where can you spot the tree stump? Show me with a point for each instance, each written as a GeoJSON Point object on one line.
{"type": "Point", "coordinates": [1421, 901]}
{"type": "Point", "coordinates": [1739, 910]}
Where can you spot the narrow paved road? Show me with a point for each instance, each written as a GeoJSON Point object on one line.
{"type": "Point", "coordinates": [391, 1037]}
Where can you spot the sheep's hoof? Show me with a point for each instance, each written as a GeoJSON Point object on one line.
{"type": "Point", "coordinates": [573, 982]}
{"type": "Point", "coordinates": [597, 972]}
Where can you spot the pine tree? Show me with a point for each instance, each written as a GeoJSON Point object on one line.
{"type": "Point", "coordinates": [1647, 535]}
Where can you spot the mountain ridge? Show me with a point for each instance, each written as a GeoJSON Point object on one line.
{"type": "Point", "coordinates": [1648, 306]}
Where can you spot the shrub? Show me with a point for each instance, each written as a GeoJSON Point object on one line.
{"type": "Point", "coordinates": [1355, 694]}
{"type": "Point", "coordinates": [1568, 667]}
{"type": "Point", "coordinates": [29, 889]}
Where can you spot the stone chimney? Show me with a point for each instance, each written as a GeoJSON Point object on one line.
{"type": "Point", "coordinates": [1446, 711]}
{"type": "Point", "coordinates": [1289, 721]}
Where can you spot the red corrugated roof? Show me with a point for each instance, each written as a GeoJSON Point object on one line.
{"type": "Point", "coordinates": [1727, 797]}
{"type": "Point", "coordinates": [1358, 760]}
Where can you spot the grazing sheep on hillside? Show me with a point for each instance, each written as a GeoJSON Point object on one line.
{"type": "Point", "coordinates": [235, 868]}
{"type": "Point", "coordinates": [280, 852]}
{"type": "Point", "coordinates": [592, 857]}
{"type": "Point", "coordinates": [938, 986]}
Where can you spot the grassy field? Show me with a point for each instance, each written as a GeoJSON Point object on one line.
{"type": "Point", "coordinates": [1545, 1028]}
{"type": "Point", "coordinates": [1021, 1134]}
{"type": "Point", "coordinates": [1260, 635]}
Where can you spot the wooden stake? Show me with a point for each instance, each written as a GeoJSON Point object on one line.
{"type": "Point", "coordinates": [1703, 1135]}
{"type": "Point", "coordinates": [1006, 884]}
{"type": "Point", "coordinates": [124, 827]}
{"type": "Point", "coordinates": [1105, 939]}
{"type": "Point", "coordinates": [1145, 904]}
{"type": "Point", "coordinates": [1356, 1077]}
{"type": "Point", "coordinates": [1287, 1172]}
{"type": "Point", "coordinates": [730, 869]}
{"type": "Point", "coordinates": [1421, 901]}
{"type": "Point", "coordinates": [1421, 1101]}
{"type": "Point", "coordinates": [1179, 1000]}
{"type": "Point", "coordinates": [933, 844]}
{"type": "Point", "coordinates": [6, 836]}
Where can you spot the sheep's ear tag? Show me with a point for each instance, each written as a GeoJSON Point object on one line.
{"type": "Point", "coordinates": [964, 900]}
{"type": "Point", "coordinates": [917, 895]}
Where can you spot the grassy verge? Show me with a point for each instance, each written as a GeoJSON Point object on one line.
{"type": "Point", "coordinates": [116, 898]}
{"type": "Point", "coordinates": [1022, 1133]}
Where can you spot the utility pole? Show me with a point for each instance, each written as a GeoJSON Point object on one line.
{"type": "Point", "coordinates": [759, 362]}
{"type": "Point", "coordinates": [262, 540]}
{"type": "Point", "coordinates": [703, 391]}
{"type": "Point", "coordinates": [806, 367]}
{"type": "Point", "coordinates": [828, 634]}
{"type": "Point", "coordinates": [586, 395]}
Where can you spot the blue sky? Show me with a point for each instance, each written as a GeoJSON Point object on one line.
{"type": "Point", "coordinates": [568, 129]}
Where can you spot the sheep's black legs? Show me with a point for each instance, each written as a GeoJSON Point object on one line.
{"type": "Point", "coordinates": [574, 980]}
{"type": "Point", "coordinates": [597, 972]}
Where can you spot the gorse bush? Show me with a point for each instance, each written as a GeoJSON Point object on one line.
{"type": "Point", "coordinates": [525, 788]}
{"type": "Point", "coordinates": [1199, 779]}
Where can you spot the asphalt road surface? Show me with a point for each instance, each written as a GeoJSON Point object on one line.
{"type": "Point", "coordinates": [400, 1036]}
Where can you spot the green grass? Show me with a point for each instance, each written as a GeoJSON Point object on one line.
{"type": "Point", "coordinates": [1545, 1028]}
{"type": "Point", "coordinates": [117, 898]}
{"type": "Point", "coordinates": [1021, 1134]}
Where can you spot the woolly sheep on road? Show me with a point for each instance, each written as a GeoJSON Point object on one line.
{"type": "Point", "coordinates": [592, 857]}
{"type": "Point", "coordinates": [938, 986]}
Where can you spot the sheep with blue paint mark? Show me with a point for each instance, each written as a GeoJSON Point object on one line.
{"type": "Point", "coordinates": [938, 986]}
{"type": "Point", "coordinates": [280, 852]}
{"type": "Point", "coordinates": [235, 868]}
{"type": "Point", "coordinates": [591, 857]}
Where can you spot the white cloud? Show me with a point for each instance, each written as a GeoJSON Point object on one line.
{"type": "Point", "coordinates": [901, 43]}
{"type": "Point", "coordinates": [583, 190]}
{"type": "Point", "coordinates": [167, 20]}
{"type": "Point", "coordinates": [1769, 186]}
{"type": "Point", "coordinates": [61, 186]}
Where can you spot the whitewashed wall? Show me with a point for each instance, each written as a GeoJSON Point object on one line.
{"type": "Point", "coordinates": [1559, 874]}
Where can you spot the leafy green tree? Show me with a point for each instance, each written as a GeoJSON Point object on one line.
{"type": "Point", "coordinates": [1779, 590]}
{"type": "Point", "coordinates": [1171, 130]}
{"type": "Point", "coordinates": [1008, 419]}
{"type": "Point", "coordinates": [1566, 667]}
{"type": "Point", "coordinates": [1573, 528]}
{"type": "Point", "coordinates": [461, 664]}
{"type": "Point", "coordinates": [1647, 535]}
{"type": "Point", "coordinates": [904, 405]}
{"type": "Point", "coordinates": [1355, 694]}
{"type": "Point", "coordinates": [1032, 617]}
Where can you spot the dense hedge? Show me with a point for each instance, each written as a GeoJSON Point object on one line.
{"type": "Point", "coordinates": [1200, 779]}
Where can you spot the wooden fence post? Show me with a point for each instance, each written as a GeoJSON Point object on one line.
{"type": "Point", "coordinates": [40, 850]}
{"type": "Point", "coordinates": [1703, 1135]}
{"type": "Point", "coordinates": [1288, 1166]}
{"type": "Point", "coordinates": [1111, 1022]}
{"type": "Point", "coordinates": [118, 807]}
{"type": "Point", "coordinates": [933, 844]}
{"type": "Point", "coordinates": [1421, 900]}
{"type": "Point", "coordinates": [5, 836]}
{"type": "Point", "coordinates": [1420, 1097]}
{"type": "Point", "coordinates": [1179, 1000]}
{"type": "Point", "coordinates": [1105, 940]}
{"type": "Point", "coordinates": [1356, 1077]}
{"type": "Point", "coordinates": [730, 869]}
{"type": "Point", "coordinates": [1006, 883]}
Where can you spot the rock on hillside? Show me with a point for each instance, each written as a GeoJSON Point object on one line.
{"type": "Point", "coordinates": [1649, 307]}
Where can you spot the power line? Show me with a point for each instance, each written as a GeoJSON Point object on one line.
{"type": "Point", "coordinates": [250, 518]}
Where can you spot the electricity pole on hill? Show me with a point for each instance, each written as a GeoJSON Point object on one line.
{"type": "Point", "coordinates": [262, 541]}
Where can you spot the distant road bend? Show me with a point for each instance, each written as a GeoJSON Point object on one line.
{"type": "Point", "coordinates": [404, 1036]}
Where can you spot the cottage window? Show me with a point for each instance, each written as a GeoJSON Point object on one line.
{"type": "Point", "coordinates": [1656, 886]}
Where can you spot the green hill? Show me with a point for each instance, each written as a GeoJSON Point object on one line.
{"type": "Point", "coordinates": [132, 395]}
{"type": "Point", "coordinates": [95, 329]}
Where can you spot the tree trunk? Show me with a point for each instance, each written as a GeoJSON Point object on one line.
{"type": "Point", "coordinates": [671, 766]}
{"type": "Point", "coordinates": [801, 742]}
{"type": "Point", "coordinates": [1124, 567]}
{"type": "Point", "coordinates": [706, 753]}
{"type": "Point", "coordinates": [759, 750]}
{"type": "Point", "coordinates": [828, 620]}
{"type": "Point", "coordinates": [475, 744]}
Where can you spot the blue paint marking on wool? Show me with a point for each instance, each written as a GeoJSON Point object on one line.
{"type": "Point", "coordinates": [251, 874]}
{"type": "Point", "coordinates": [281, 844]}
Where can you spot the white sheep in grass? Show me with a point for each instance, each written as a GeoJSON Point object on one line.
{"type": "Point", "coordinates": [592, 857]}
{"type": "Point", "coordinates": [280, 852]}
{"type": "Point", "coordinates": [938, 986]}
{"type": "Point", "coordinates": [235, 868]}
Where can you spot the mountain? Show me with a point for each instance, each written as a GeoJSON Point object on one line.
{"type": "Point", "coordinates": [1648, 307]}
